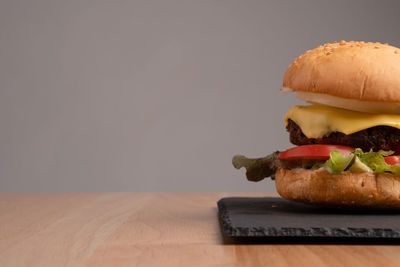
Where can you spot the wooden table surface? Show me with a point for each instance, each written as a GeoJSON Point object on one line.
{"type": "Point", "coordinates": [148, 229]}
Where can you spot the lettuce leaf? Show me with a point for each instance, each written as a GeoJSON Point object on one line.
{"type": "Point", "coordinates": [339, 162]}
{"type": "Point", "coordinates": [257, 168]}
{"type": "Point", "coordinates": [395, 169]}
{"type": "Point", "coordinates": [260, 168]}
{"type": "Point", "coordinates": [358, 166]}
{"type": "Point", "coordinates": [359, 161]}
{"type": "Point", "coordinates": [374, 160]}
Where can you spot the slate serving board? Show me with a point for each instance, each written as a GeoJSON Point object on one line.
{"type": "Point", "coordinates": [245, 219]}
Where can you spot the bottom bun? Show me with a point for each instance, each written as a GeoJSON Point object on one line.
{"type": "Point", "coordinates": [351, 190]}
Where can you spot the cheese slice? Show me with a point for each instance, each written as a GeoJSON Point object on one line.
{"type": "Point", "coordinates": [318, 120]}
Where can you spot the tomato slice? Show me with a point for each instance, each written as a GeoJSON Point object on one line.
{"type": "Point", "coordinates": [392, 160]}
{"type": "Point", "coordinates": [313, 152]}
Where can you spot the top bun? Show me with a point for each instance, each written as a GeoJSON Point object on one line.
{"type": "Point", "coordinates": [354, 70]}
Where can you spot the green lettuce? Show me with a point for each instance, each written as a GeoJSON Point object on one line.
{"type": "Point", "coordinates": [395, 169]}
{"type": "Point", "coordinates": [374, 160]}
{"type": "Point", "coordinates": [358, 166]}
{"type": "Point", "coordinates": [339, 162]}
{"type": "Point", "coordinates": [258, 168]}
{"type": "Point", "coordinates": [359, 161]}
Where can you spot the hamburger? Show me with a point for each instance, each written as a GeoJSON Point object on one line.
{"type": "Point", "coordinates": [347, 135]}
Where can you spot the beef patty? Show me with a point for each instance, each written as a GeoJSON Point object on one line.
{"type": "Point", "coordinates": [375, 138]}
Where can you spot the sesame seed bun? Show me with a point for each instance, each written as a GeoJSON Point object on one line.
{"type": "Point", "coordinates": [352, 70]}
{"type": "Point", "coordinates": [352, 190]}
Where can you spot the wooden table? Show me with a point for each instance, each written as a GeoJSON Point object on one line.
{"type": "Point", "coordinates": [148, 229]}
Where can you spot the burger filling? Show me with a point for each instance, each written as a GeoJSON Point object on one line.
{"type": "Point", "coordinates": [374, 138]}
{"type": "Point", "coordinates": [317, 121]}
{"type": "Point", "coordinates": [335, 162]}
{"type": "Point", "coordinates": [333, 139]}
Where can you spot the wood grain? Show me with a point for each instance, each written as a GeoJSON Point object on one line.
{"type": "Point", "coordinates": [148, 229]}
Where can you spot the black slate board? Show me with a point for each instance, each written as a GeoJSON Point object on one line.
{"type": "Point", "coordinates": [252, 219]}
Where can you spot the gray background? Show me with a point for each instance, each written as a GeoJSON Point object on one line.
{"type": "Point", "coordinates": [156, 95]}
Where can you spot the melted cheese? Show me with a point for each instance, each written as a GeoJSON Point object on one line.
{"type": "Point", "coordinates": [317, 120]}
